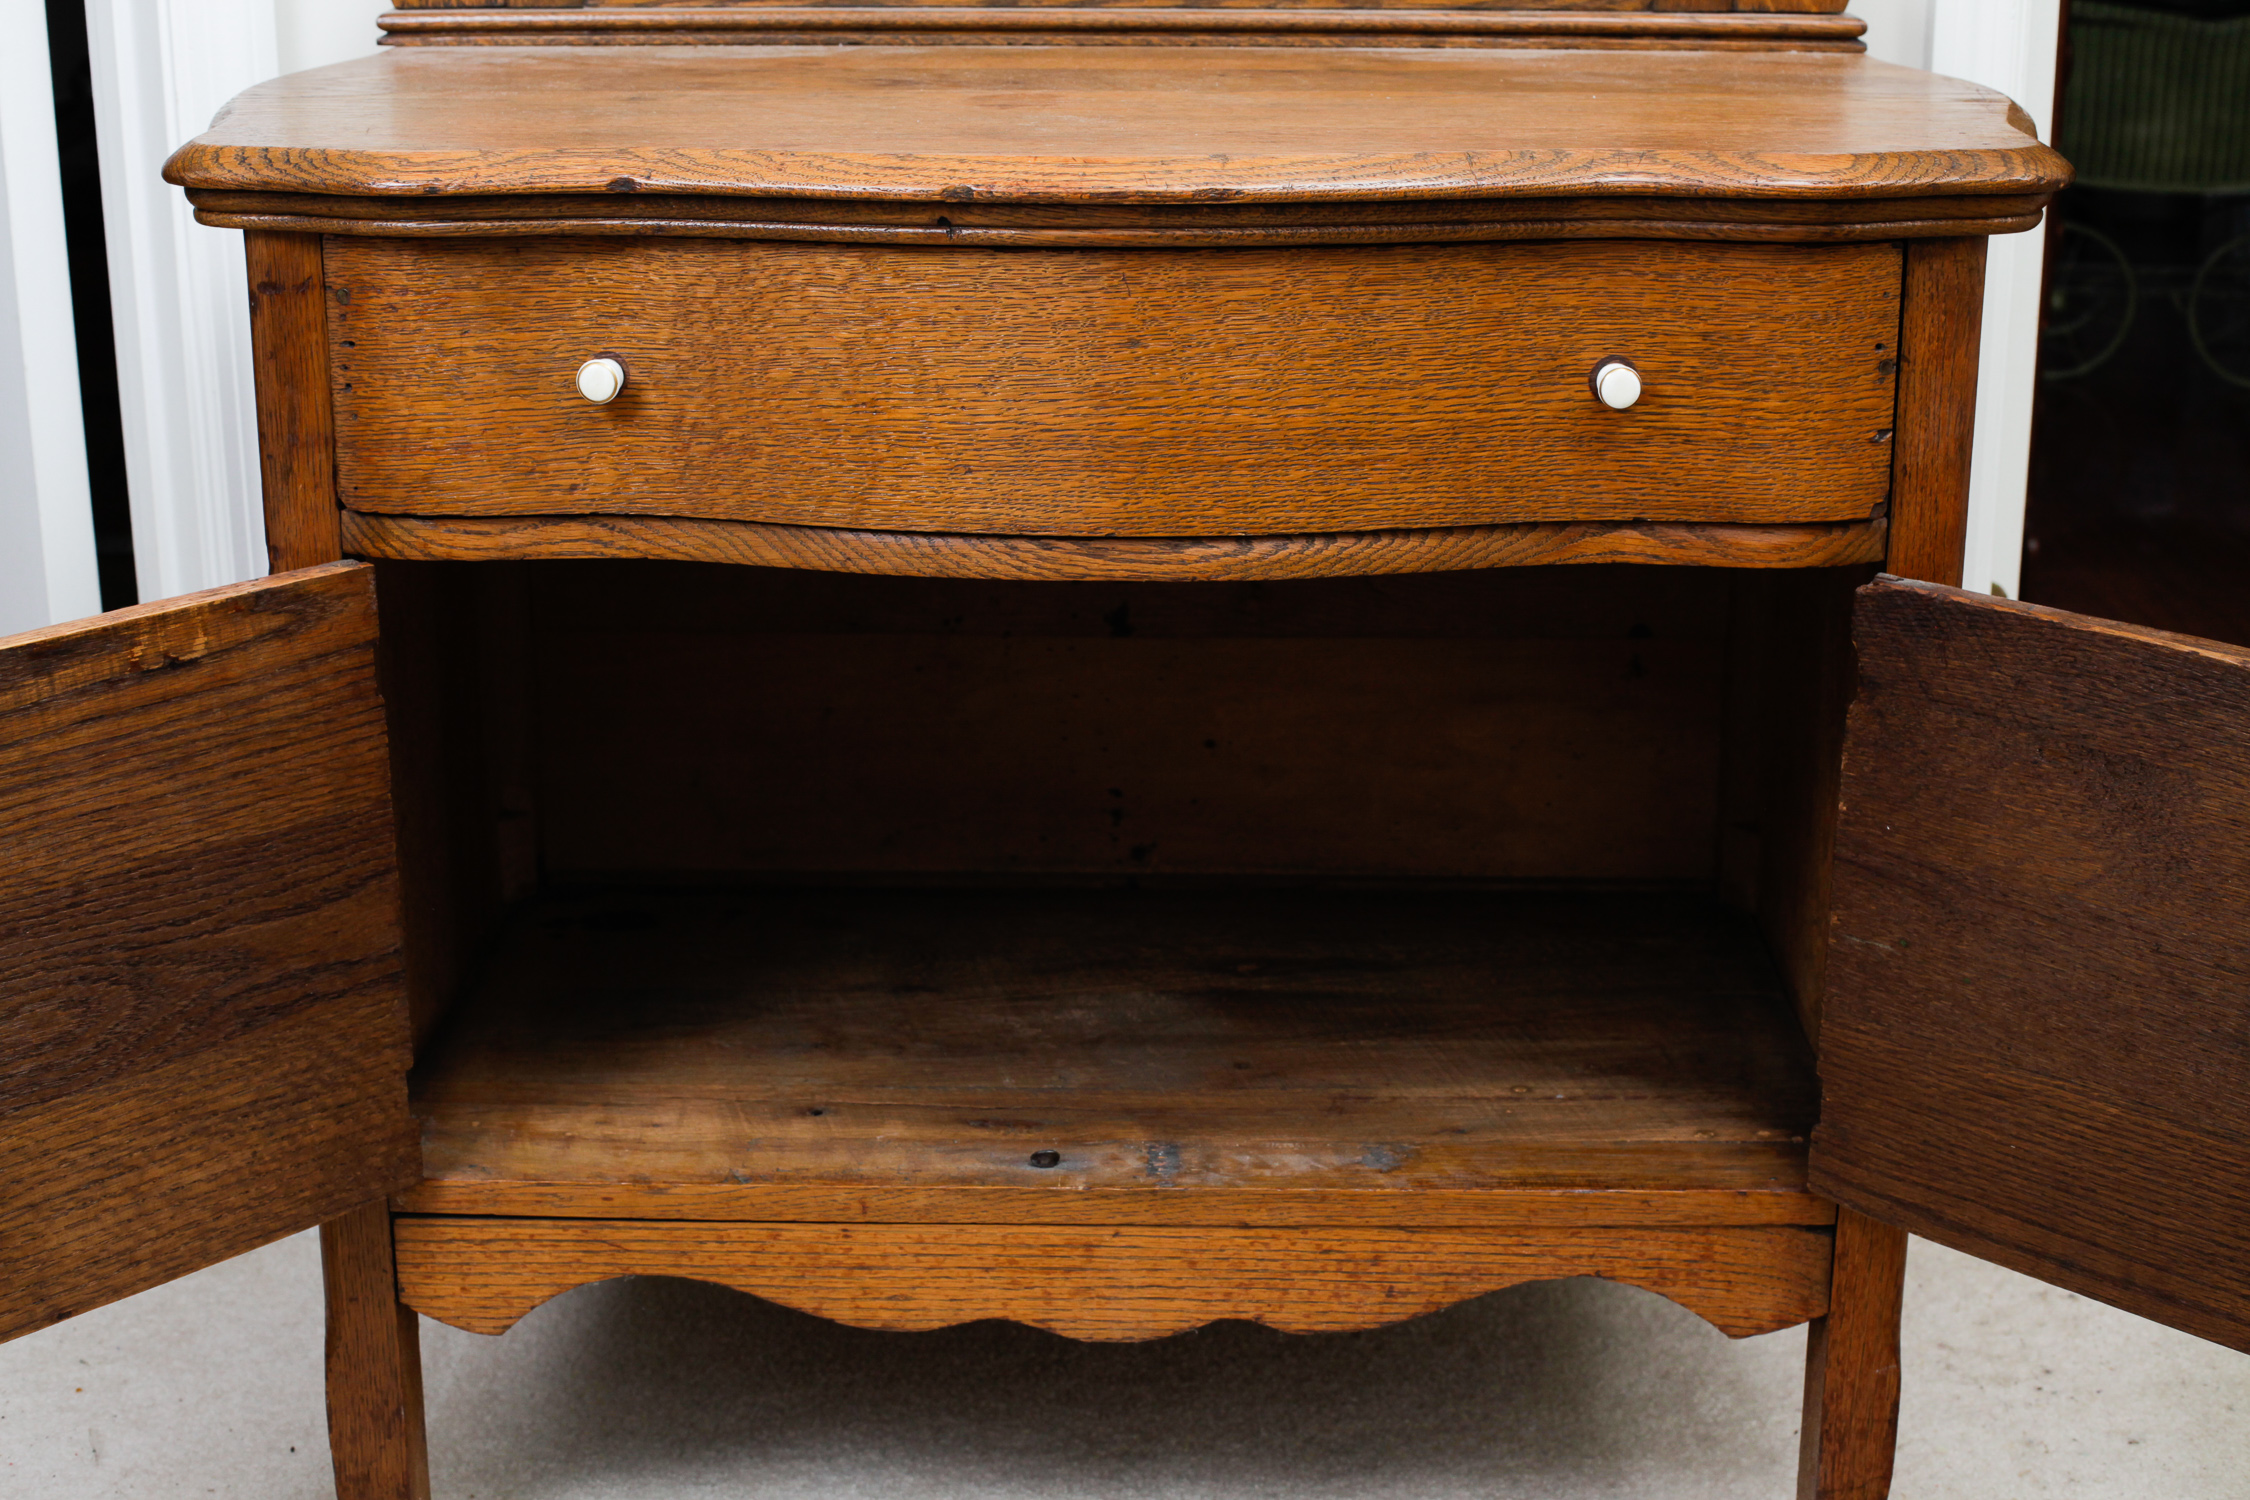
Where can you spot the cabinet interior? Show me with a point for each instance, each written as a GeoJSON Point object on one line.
{"type": "Point", "coordinates": [1446, 882]}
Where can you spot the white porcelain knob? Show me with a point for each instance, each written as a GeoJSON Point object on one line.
{"type": "Point", "coordinates": [1616, 384]}
{"type": "Point", "coordinates": [599, 380]}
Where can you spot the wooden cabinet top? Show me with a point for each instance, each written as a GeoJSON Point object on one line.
{"type": "Point", "coordinates": [1121, 126]}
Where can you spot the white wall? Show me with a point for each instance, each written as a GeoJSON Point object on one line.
{"type": "Point", "coordinates": [46, 516]}
{"type": "Point", "coordinates": [314, 33]}
{"type": "Point", "coordinates": [1898, 31]}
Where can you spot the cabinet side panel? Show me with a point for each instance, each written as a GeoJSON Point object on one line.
{"type": "Point", "coordinates": [296, 417]}
{"type": "Point", "coordinates": [1789, 673]}
{"type": "Point", "coordinates": [455, 686]}
{"type": "Point", "coordinates": [2037, 1039]}
{"type": "Point", "coordinates": [1941, 320]}
{"type": "Point", "coordinates": [202, 1040]}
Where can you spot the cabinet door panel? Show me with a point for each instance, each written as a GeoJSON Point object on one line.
{"type": "Point", "coordinates": [202, 1030]}
{"type": "Point", "coordinates": [2036, 1043]}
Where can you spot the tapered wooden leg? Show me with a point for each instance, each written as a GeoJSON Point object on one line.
{"type": "Point", "coordinates": [374, 1364]}
{"type": "Point", "coordinates": [1851, 1367]}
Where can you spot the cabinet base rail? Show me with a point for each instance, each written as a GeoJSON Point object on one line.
{"type": "Point", "coordinates": [1342, 554]}
{"type": "Point", "coordinates": [1107, 1282]}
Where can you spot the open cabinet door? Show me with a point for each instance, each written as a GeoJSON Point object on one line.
{"type": "Point", "coordinates": [2035, 1044]}
{"type": "Point", "coordinates": [202, 1031]}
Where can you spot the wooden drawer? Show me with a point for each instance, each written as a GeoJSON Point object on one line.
{"type": "Point", "coordinates": [1114, 392]}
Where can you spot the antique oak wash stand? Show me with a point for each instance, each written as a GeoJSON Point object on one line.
{"type": "Point", "coordinates": [968, 728]}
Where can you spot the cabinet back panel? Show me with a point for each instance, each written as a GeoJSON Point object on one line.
{"type": "Point", "coordinates": [1541, 725]}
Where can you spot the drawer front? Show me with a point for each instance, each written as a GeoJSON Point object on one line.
{"type": "Point", "coordinates": [1114, 392]}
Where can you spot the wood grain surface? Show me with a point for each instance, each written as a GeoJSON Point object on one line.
{"type": "Point", "coordinates": [1582, 1193]}
{"type": "Point", "coordinates": [2036, 1048]}
{"type": "Point", "coordinates": [202, 1040]}
{"type": "Point", "coordinates": [1224, 24]}
{"type": "Point", "coordinates": [1789, 677]}
{"type": "Point", "coordinates": [1154, 1045]}
{"type": "Point", "coordinates": [483, 1274]}
{"type": "Point", "coordinates": [1850, 1431]}
{"type": "Point", "coordinates": [1214, 224]}
{"type": "Point", "coordinates": [455, 679]}
{"type": "Point", "coordinates": [1191, 393]}
{"type": "Point", "coordinates": [296, 425]}
{"type": "Point", "coordinates": [376, 1438]}
{"type": "Point", "coordinates": [1937, 408]}
{"type": "Point", "coordinates": [1527, 724]}
{"type": "Point", "coordinates": [1103, 124]}
{"type": "Point", "coordinates": [1124, 559]}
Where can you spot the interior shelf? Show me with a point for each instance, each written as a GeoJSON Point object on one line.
{"type": "Point", "coordinates": [1122, 1056]}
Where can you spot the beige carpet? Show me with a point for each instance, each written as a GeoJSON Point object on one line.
{"type": "Point", "coordinates": [1574, 1389]}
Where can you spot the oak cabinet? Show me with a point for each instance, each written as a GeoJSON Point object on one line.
{"type": "Point", "coordinates": [1021, 767]}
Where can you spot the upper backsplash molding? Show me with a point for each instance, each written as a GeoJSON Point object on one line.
{"type": "Point", "coordinates": [1788, 25]}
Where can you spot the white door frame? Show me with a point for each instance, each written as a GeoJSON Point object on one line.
{"type": "Point", "coordinates": [2007, 45]}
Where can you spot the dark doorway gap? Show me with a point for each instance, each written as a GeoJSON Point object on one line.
{"type": "Point", "coordinates": [72, 70]}
{"type": "Point", "coordinates": [2139, 499]}
{"type": "Point", "coordinates": [2139, 505]}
